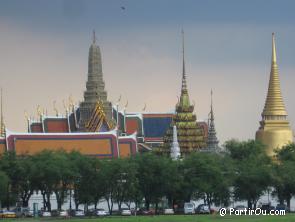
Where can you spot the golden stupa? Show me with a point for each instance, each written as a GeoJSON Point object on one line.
{"type": "Point", "coordinates": [274, 130]}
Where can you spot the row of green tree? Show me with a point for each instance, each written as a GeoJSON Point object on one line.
{"type": "Point", "coordinates": [242, 172]}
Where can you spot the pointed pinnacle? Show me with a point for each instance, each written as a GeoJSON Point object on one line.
{"type": "Point", "coordinates": [274, 54]}
{"type": "Point", "coordinates": [211, 112]}
{"type": "Point", "coordinates": [184, 86]}
{"type": "Point", "coordinates": [94, 37]}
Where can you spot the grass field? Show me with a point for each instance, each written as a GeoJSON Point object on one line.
{"type": "Point", "coordinates": [176, 218]}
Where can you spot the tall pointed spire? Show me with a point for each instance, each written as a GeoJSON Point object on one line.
{"type": "Point", "coordinates": [211, 110]}
{"type": "Point", "coordinates": [184, 85]}
{"type": "Point", "coordinates": [274, 105]}
{"type": "Point", "coordinates": [274, 53]}
{"type": "Point", "coordinates": [94, 38]}
{"type": "Point", "coordinates": [212, 142]}
{"type": "Point", "coordinates": [2, 125]}
{"type": "Point", "coordinates": [274, 131]}
{"type": "Point", "coordinates": [184, 97]}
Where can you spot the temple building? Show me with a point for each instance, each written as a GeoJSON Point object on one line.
{"type": "Point", "coordinates": [95, 88]}
{"type": "Point", "coordinates": [274, 130]}
{"type": "Point", "coordinates": [189, 133]}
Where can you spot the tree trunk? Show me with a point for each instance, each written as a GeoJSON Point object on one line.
{"type": "Point", "coordinates": [119, 205]}
{"type": "Point", "coordinates": [76, 204]}
{"type": "Point", "coordinates": [25, 202]}
{"type": "Point", "coordinates": [25, 198]}
{"type": "Point", "coordinates": [58, 201]}
{"type": "Point", "coordinates": [110, 204]}
{"type": "Point", "coordinates": [249, 204]}
{"type": "Point", "coordinates": [44, 200]}
{"type": "Point", "coordinates": [48, 203]}
{"type": "Point", "coordinates": [289, 202]}
{"type": "Point", "coordinates": [135, 211]}
{"type": "Point", "coordinates": [209, 200]}
{"type": "Point", "coordinates": [170, 202]}
{"type": "Point", "coordinates": [8, 198]}
{"type": "Point", "coordinates": [147, 204]}
{"type": "Point", "coordinates": [109, 207]}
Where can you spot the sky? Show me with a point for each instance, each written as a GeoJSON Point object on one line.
{"type": "Point", "coordinates": [44, 48]}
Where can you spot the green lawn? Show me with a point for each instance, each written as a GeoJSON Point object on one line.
{"type": "Point", "coordinates": [176, 218]}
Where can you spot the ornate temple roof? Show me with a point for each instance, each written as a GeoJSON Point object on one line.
{"type": "Point", "coordinates": [98, 121]}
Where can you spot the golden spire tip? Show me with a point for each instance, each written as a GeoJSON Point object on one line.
{"type": "Point", "coordinates": [274, 53]}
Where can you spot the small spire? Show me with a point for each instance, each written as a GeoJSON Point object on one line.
{"type": "Point", "coordinates": [211, 99]}
{"type": "Point", "coordinates": [211, 112]}
{"type": "Point", "coordinates": [274, 53]}
{"type": "Point", "coordinates": [212, 142]}
{"type": "Point", "coordinates": [94, 38]}
{"type": "Point", "coordinates": [175, 149]}
{"type": "Point", "coordinates": [2, 123]}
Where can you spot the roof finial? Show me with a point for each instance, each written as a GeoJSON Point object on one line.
{"type": "Point", "coordinates": [94, 37]}
{"type": "Point", "coordinates": [55, 109]}
{"type": "Point", "coordinates": [184, 86]}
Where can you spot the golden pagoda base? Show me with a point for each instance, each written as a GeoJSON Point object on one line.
{"type": "Point", "coordinates": [274, 134]}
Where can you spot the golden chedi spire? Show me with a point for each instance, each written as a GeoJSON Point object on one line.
{"type": "Point", "coordinates": [274, 105]}
{"type": "Point", "coordinates": [274, 129]}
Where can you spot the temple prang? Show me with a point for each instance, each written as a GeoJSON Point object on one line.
{"type": "Point", "coordinates": [95, 88]}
